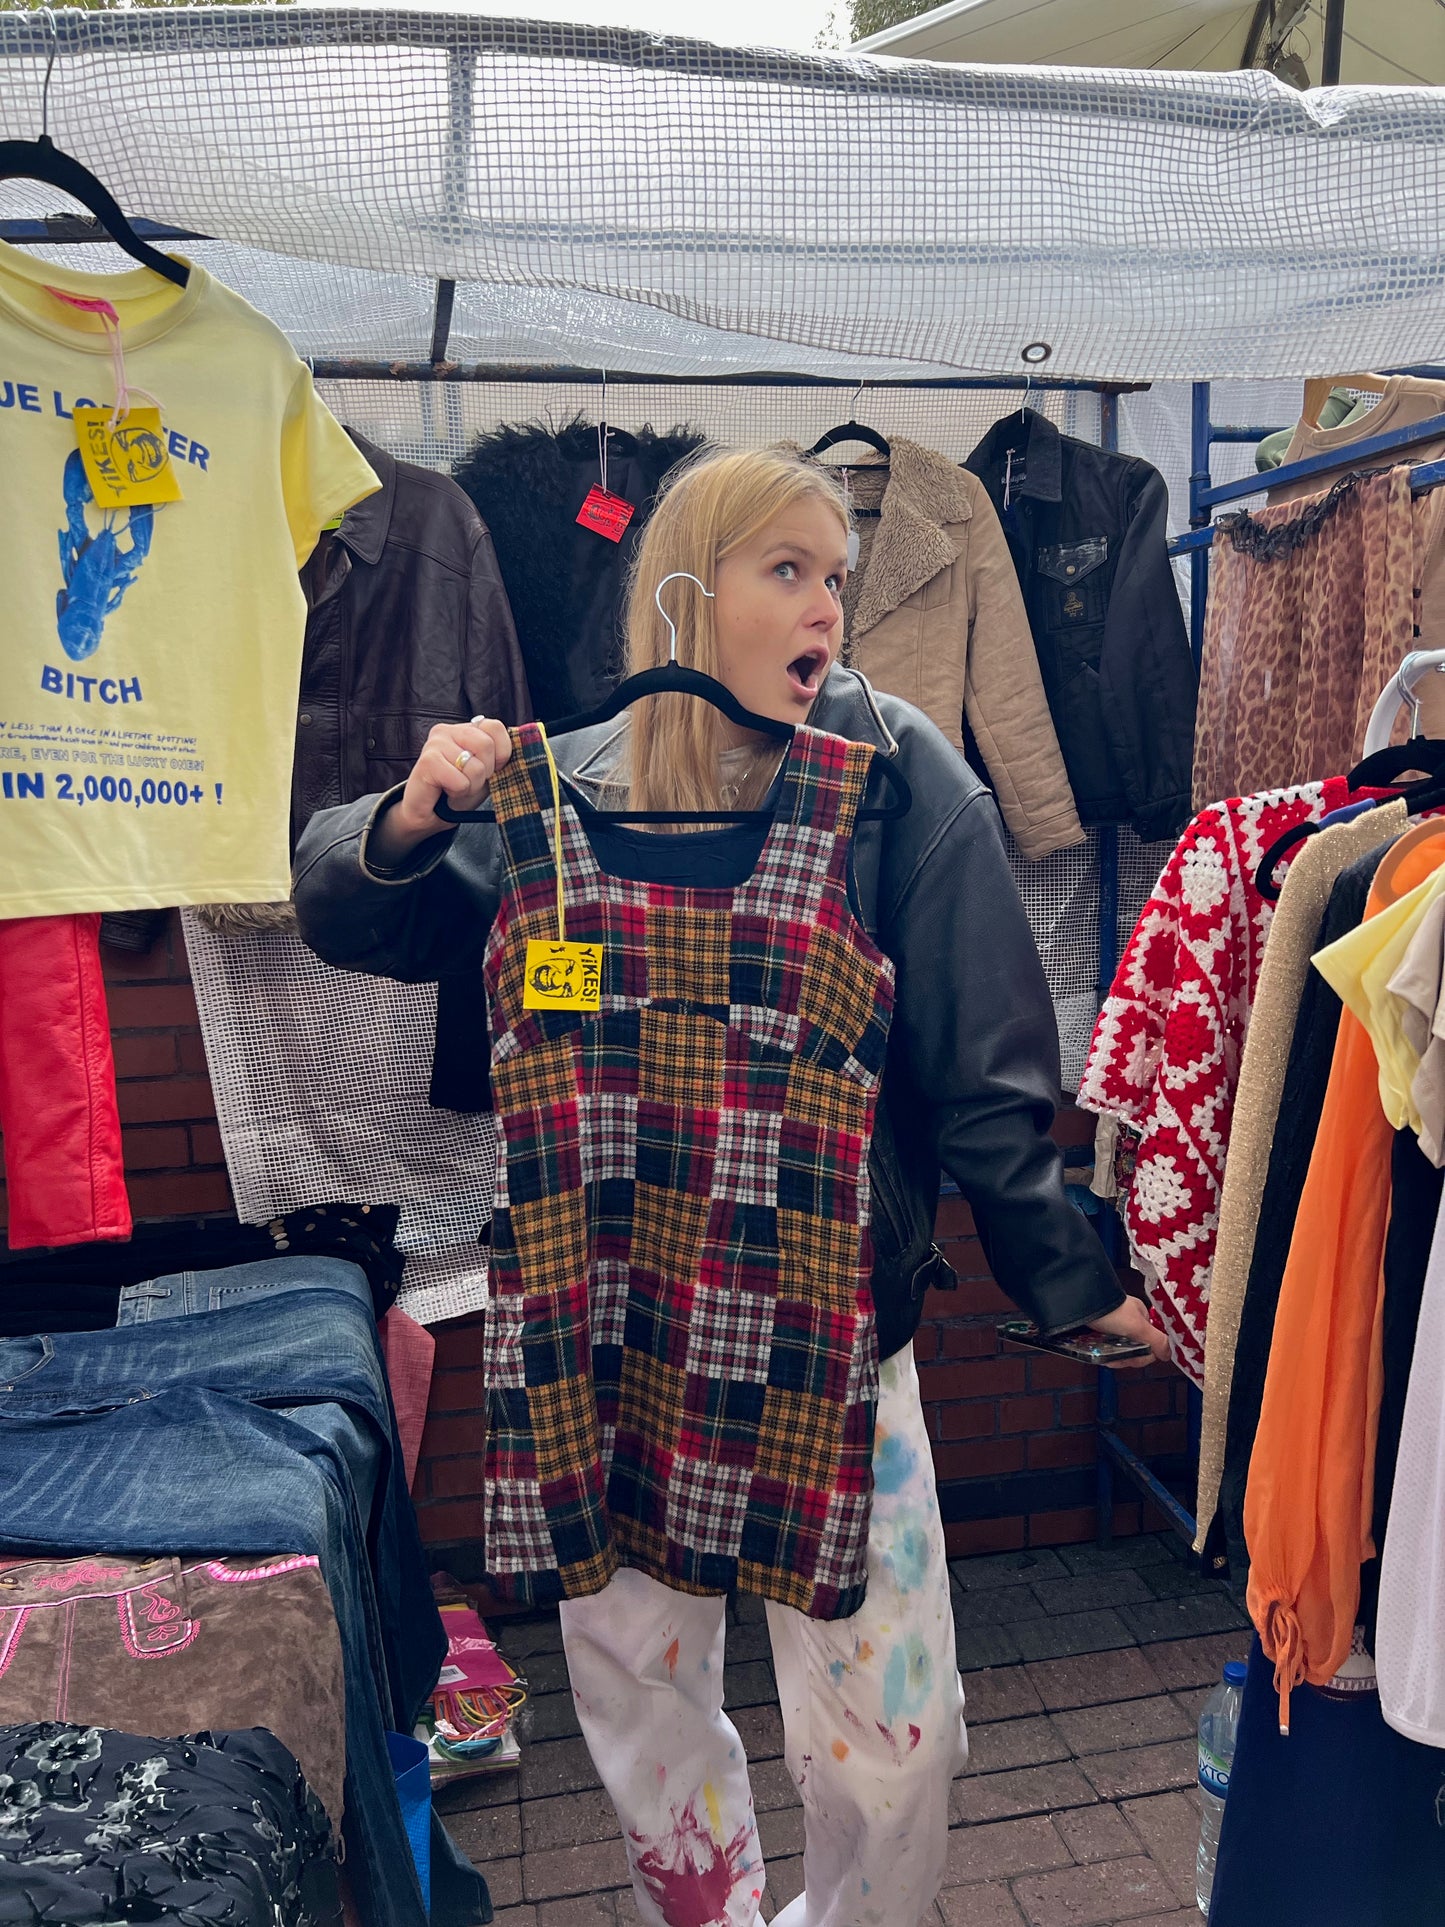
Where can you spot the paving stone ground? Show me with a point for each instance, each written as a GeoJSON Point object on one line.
{"type": "Point", "coordinates": [1085, 1670]}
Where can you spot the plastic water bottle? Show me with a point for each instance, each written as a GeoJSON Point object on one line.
{"type": "Point", "coordinates": [1218, 1728]}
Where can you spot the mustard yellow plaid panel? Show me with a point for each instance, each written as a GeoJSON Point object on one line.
{"type": "Point", "coordinates": [537, 1079]}
{"type": "Point", "coordinates": [680, 1058]}
{"type": "Point", "coordinates": [799, 1439]}
{"type": "Point", "coordinates": [840, 987]}
{"type": "Point", "coordinates": [549, 1239]}
{"type": "Point", "coordinates": [668, 1232]}
{"type": "Point", "coordinates": [564, 1427]}
{"type": "Point", "coordinates": [689, 955]}
{"type": "Point", "coordinates": [826, 1098]}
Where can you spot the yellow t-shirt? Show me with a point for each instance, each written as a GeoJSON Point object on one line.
{"type": "Point", "coordinates": [1358, 968]}
{"type": "Point", "coordinates": [150, 658]}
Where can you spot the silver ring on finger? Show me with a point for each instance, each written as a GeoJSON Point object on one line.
{"type": "Point", "coordinates": [462, 758]}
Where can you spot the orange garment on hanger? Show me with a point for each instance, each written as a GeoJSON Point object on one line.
{"type": "Point", "coordinates": [1308, 1505]}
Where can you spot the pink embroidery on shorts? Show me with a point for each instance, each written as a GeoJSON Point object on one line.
{"type": "Point", "coordinates": [230, 1576]}
{"type": "Point", "coordinates": [152, 1626]}
{"type": "Point", "coordinates": [12, 1624]}
{"type": "Point", "coordinates": [83, 1573]}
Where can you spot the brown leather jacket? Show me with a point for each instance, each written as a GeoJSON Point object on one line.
{"type": "Point", "coordinates": [409, 626]}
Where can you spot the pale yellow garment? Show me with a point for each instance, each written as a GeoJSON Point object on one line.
{"type": "Point", "coordinates": [1358, 968]}
{"type": "Point", "coordinates": [149, 661]}
{"type": "Point", "coordinates": [1282, 974]}
{"type": "Point", "coordinates": [1419, 983]}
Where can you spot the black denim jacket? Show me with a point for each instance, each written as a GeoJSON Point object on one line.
{"type": "Point", "coordinates": [1087, 532]}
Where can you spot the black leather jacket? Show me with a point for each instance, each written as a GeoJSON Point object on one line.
{"type": "Point", "coordinates": [971, 1080]}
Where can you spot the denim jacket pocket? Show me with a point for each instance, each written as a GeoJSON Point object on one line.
{"type": "Point", "coordinates": [1073, 584]}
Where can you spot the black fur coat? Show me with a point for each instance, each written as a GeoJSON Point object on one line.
{"type": "Point", "coordinates": [565, 582]}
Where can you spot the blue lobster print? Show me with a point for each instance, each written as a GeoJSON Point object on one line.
{"type": "Point", "coordinates": [95, 569]}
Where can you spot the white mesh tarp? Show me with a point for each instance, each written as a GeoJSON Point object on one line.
{"type": "Point", "coordinates": [1061, 897]}
{"type": "Point", "coordinates": [601, 187]}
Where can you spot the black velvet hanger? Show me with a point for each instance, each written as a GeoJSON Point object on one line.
{"type": "Point", "coordinates": [1425, 753]}
{"type": "Point", "coordinates": [675, 678]}
{"type": "Point", "coordinates": [1378, 771]}
{"type": "Point", "coordinates": [852, 432]}
{"type": "Point", "coordinates": [42, 160]}
{"type": "Point", "coordinates": [1276, 853]}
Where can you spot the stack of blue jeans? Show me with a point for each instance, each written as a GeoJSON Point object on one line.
{"type": "Point", "coordinates": [252, 1428]}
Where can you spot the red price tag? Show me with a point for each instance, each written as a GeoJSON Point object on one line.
{"type": "Point", "coordinates": [605, 514]}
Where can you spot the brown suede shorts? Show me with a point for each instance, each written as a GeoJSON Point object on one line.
{"type": "Point", "coordinates": [163, 1648]}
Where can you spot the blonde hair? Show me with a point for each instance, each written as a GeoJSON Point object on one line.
{"type": "Point", "coordinates": [708, 509]}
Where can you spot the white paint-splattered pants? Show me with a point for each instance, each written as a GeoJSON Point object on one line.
{"type": "Point", "coordinates": [872, 1720]}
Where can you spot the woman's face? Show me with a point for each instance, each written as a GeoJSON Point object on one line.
{"type": "Point", "coordinates": [778, 613]}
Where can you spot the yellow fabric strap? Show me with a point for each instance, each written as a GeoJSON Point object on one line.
{"type": "Point", "coordinates": [557, 820]}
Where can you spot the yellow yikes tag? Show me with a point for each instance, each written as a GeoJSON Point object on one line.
{"type": "Point", "coordinates": [562, 976]}
{"type": "Point", "coordinates": [129, 465]}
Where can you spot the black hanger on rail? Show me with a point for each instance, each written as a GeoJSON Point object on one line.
{"type": "Point", "coordinates": [675, 678]}
{"type": "Point", "coordinates": [42, 160]}
{"type": "Point", "coordinates": [1424, 753]}
{"type": "Point", "coordinates": [1381, 771]}
{"type": "Point", "coordinates": [852, 430]}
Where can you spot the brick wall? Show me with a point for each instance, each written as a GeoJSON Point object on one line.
{"type": "Point", "coordinates": [1013, 1440]}
{"type": "Point", "coordinates": [1013, 1430]}
{"type": "Point", "coordinates": [173, 1159]}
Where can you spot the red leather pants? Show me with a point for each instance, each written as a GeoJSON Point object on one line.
{"type": "Point", "coordinates": [63, 1166]}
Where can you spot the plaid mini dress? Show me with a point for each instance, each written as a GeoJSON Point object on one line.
{"type": "Point", "coordinates": [680, 1351]}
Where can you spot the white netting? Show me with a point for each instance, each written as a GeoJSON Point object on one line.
{"type": "Point", "coordinates": [600, 187]}
{"type": "Point", "coordinates": [434, 422]}
{"type": "Point", "coordinates": [1061, 900]}
{"type": "Point", "coordinates": [321, 1079]}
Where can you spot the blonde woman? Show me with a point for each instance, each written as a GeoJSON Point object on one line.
{"type": "Point", "coordinates": [710, 1384]}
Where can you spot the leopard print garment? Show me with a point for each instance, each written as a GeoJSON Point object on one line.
{"type": "Point", "coordinates": [1297, 648]}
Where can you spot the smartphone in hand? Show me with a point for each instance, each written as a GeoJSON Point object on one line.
{"type": "Point", "coordinates": [1085, 1347]}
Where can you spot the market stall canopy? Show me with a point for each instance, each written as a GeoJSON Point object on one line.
{"type": "Point", "coordinates": [1400, 42]}
{"type": "Point", "coordinates": [612, 198]}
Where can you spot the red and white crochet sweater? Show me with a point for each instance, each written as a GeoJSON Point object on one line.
{"type": "Point", "coordinates": [1164, 1062]}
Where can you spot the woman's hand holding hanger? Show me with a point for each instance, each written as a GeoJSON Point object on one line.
{"type": "Point", "coordinates": [458, 761]}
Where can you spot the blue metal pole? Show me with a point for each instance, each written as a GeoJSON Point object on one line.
{"type": "Point", "coordinates": [1107, 1416]}
{"type": "Point", "coordinates": [1107, 1409]}
{"type": "Point", "coordinates": [1199, 437]}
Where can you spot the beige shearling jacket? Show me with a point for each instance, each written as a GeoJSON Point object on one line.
{"type": "Point", "coordinates": [939, 620]}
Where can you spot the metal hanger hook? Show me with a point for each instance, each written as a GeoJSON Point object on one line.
{"type": "Point", "coordinates": [49, 18]}
{"type": "Point", "coordinates": [1405, 677]}
{"type": "Point", "coordinates": [857, 396]}
{"type": "Point", "coordinates": [603, 434]}
{"type": "Point", "coordinates": [678, 575]}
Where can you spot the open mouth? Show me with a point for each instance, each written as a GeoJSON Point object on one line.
{"type": "Point", "coordinates": [806, 671]}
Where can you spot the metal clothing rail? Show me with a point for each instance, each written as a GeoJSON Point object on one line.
{"type": "Point", "coordinates": [1113, 1455]}
{"type": "Point", "coordinates": [480, 371]}
{"type": "Point", "coordinates": [1205, 496]}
